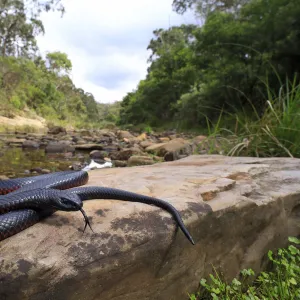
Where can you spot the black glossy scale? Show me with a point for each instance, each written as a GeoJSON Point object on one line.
{"type": "Point", "coordinates": [29, 199]}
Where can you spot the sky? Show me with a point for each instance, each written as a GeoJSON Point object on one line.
{"type": "Point", "coordinates": [107, 41]}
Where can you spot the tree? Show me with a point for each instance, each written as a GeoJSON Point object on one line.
{"type": "Point", "coordinates": [196, 72]}
{"type": "Point", "coordinates": [169, 75]}
{"type": "Point", "coordinates": [204, 7]}
{"type": "Point", "coordinates": [58, 62]}
{"type": "Point", "coordinates": [20, 24]}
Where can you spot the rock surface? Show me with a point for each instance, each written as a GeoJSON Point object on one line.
{"type": "Point", "coordinates": [136, 160]}
{"type": "Point", "coordinates": [235, 208]}
{"type": "Point", "coordinates": [11, 124]}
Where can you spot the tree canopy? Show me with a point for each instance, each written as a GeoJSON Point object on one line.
{"type": "Point", "coordinates": [196, 71]}
{"type": "Point", "coordinates": [29, 81]}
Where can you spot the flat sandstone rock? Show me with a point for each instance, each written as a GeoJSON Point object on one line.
{"type": "Point", "coordinates": [235, 208]}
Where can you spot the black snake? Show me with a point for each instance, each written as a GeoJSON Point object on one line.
{"type": "Point", "coordinates": [25, 201]}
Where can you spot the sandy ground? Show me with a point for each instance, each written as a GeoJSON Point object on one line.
{"type": "Point", "coordinates": [18, 122]}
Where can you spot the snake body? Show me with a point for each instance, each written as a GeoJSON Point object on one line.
{"type": "Point", "coordinates": [25, 201]}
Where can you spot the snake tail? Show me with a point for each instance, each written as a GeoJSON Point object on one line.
{"type": "Point", "coordinates": [94, 192]}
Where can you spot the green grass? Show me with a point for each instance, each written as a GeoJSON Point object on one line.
{"type": "Point", "coordinates": [276, 133]}
{"type": "Point", "coordinates": [4, 128]}
{"type": "Point", "coordinates": [281, 282]}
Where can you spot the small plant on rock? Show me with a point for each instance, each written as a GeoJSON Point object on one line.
{"type": "Point", "coordinates": [282, 282]}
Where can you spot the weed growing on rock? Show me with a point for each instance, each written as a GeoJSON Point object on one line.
{"type": "Point", "coordinates": [282, 282]}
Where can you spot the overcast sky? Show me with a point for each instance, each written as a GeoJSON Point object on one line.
{"type": "Point", "coordinates": [107, 41]}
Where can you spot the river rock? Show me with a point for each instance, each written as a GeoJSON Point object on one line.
{"type": "Point", "coordinates": [97, 154]}
{"type": "Point", "coordinates": [57, 130]}
{"type": "Point", "coordinates": [124, 134]}
{"type": "Point", "coordinates": [142, 137]}
{"type": "Point", "coordinates": [170, 156]}
{"type": "Point", "coordinates": [15, 141]}
{"type": "Point", "coordinates": [89, 139]}
{"type": "Point", "coordinates": [111, 148]}
{"type": "Point", "coordinates": [120, 163]}
{"type": "Point", "coordinates": [146, 144]}
{"type": "Point", "coordinates": [136, 251]}
{"type": "Point", "coordinates": [199, 139]}
{"type": "Point", "coordinates": [137, 160]}
{"type": "Point", "coordinates": [76, 166]}
{"type": "Point", "coordinates": [89, 147]}
{"type": "Point", "coordinates": [85, 132]}
{"type": "Point", "coordinates": [164, 139]}
{"type": "Point", "coordinates": [40, 170]}
{"type": "Point", "coordinates": [124, 154]}
{"type": "Point", "coordinates": [30, 144]}
{"type": "Point", "coordinates": [66, 138]}
{"type": "Point", "coordinates": [104, 139]}
{"type": "Point", "coordinates": [177, 146]}
{"type": "Point", "coordinates": [59, 147]}
{"type": "Point", "coordinates": [107, 132]}
{"type": "Point", "coordinates": [173, 136]}
{"type": "Point", "coordinates": [79, 141]}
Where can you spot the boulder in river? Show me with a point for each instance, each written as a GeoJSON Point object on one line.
{"type": "Point", "coordinates": [146, 144]}
{"type": "Point", "coordinates": [137, 160]}
{"type": "Point", "coordinates": [59, 147]}
{"type": "Point", "coordinates": [124, 134]}
{"type": "Point", "coordinates": [97, 154]}
{"type": "Point", "coordinates": [124, 154]}
{"type": "Point", "coordinates": [176, 146]}
{"type": "Point", "coordinates": [30, 144]}
{"type": "Point", "coordinates": [57, 130]}
{"type": "Point", "coordinates": [120, 163]}
{"type": "Point", "coordinates": [15, 141]}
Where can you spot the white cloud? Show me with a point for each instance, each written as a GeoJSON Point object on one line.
{"type": "Point", "coordinates": [107, 41]}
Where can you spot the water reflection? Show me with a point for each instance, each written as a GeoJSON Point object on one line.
{"type": "Point", "coordinates": [14, 161]}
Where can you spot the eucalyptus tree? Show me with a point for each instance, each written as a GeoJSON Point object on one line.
{"type": "Point", "coordinates": [20, 24]}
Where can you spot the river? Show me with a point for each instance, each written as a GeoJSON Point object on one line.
{"type": "Point", "coordinates": [16, 162]}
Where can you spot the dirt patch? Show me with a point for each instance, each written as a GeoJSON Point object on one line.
{"type": "Point", "coordinates": [23, 124]}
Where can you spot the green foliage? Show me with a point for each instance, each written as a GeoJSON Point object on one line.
{"type": "Point", "coordinates": [282, 282]}
{"type": "Point", "coordinates": [148, 129]}
{"type": "Point", "coordinates": [204, 7]}
{"type": "Point", "coordinates": [226, 64]}
{"type": "Point", "coordinates": [170, 75]}
{"type": "Point", "coordinates": [46, 91]}
{"type": "Point", "coordinates": [274, 133]}
{"type": "Point", "coordinates": [20, 23]}
{"type": "Point", "coordinates": [59, 62]}
{"type": "Point", "coordinates": [31, 84]}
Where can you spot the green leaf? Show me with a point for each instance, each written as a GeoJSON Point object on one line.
{"type": "Point", "coordinates": [293, 250]}
{"type": "Point", "coordinates": [203, 282]}
{"type": "Point", "coordinates": [216, 290]}
{"type": "Point", "coordinates": [236, 282]}
{"type": "Point", "coordinates": [294, 240]}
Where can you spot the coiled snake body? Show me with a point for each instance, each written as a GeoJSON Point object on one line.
{"type": "Point", "coordinates": [25, 201]}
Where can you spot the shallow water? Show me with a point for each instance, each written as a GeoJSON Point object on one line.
{"type": "Point", "coordinates": [15, 162]}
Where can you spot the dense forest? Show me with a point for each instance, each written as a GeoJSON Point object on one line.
{"type": "Point", "coordinates": [37, 85]}
{"type": "Point", "coordinates": [241, 56]}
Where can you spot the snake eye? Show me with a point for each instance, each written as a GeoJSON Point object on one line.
{"type": "Point", "coordinates": [64, 200]}
{"type": "Point", "coordinates": [69, 203]}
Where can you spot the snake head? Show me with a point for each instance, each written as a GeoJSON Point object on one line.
{"type": "Point", "coordinates": [66, 201]}
{"type": "Point", "coordinates": [70, 202]}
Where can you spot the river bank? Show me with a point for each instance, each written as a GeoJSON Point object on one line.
{"type": "Point", "coordinates": [24, 154]}
{"type": "Point", "coordinates": [22, 124]}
